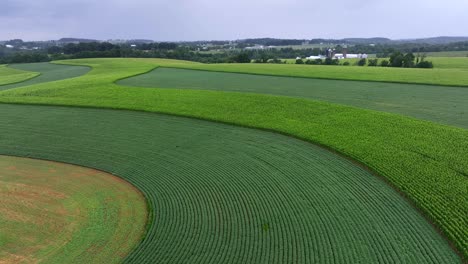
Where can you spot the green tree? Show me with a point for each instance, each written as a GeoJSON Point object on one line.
{"type": "Point", "coordinates": [408, 60]}
{"type": "Point", "coordinates": [385, 63]}
{"type": "Point", "coordinates": [425, 64]}
{"type": "Point", "coordinates": [373, 62]}
{"type": "Point", "coordinates": [362, 62]}
{"type": "Point", "coordinates": [396, 59]}
{"type": "Point", "coordinates": [242, 57]}
{"type": "Point", "coordinates": [299, 61]}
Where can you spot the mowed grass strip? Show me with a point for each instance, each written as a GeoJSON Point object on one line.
{"type": "Point", "coordinates": [447, 105]}
{"type": "Point", "coordinates": [60, 213]}
{"type": "Point", "coordinates": [9, 75]}
{"type": "Point", "coordinates": [49, 72]}
{"type": "Point", "coordinates": [426, 161]}
{"type": "Point", "coordinates": [227, 194]}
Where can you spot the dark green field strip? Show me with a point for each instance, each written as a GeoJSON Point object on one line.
{"type": "Point", "coordinates": [426, 161]}
{"type": "Point", "coordinates": [225, 194]}
{"type": "Point", "coordinates": [49, 72]}
{"type": "Point", "coordinates": [446, 105]}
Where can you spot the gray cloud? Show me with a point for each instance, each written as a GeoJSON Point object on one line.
{"type": "Point", "coordinates": [210, 19]}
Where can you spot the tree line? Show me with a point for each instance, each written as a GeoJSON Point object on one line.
{"type": "Point", "coordinates": [186, 51]}
{"type": "Point", "coordinates": [396, 59]}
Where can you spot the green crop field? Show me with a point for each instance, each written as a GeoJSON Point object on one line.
{"type": "Point", "coordinates": [10, 75]}
{"type": "Point", "coordinates": [257, 183]}
{"type": "Point", "coordinates": [453, 77]}
{"type": "Point", "coordinates": [448, 54]}
{"type": "Point", "coordinates": [47, 211]}
{"type": "Point", "coordinates": [448, 105]}
{"type": "Point", "coordinates": [224, 194]}
{"type": "Point", "coordinates": [48, 73]}
{"type": "Point", "coordinates": [450, 63]}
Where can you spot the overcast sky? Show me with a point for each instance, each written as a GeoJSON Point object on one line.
{"type": "Point", "coordinates": [173, 20]}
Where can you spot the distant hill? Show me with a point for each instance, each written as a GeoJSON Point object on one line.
{"type": "Point", "coordinates": [366, 40]}
{"type": "Point", "coordinates": [140, 41]}
{"type": "Point", "coordinates": [76, 40]}
{"type": "Point", "coordinates": [435, 40]}
{"type": "Point", "coordinates": [375, 40]}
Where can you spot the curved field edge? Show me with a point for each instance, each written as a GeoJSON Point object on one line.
{"type": "Point", "coordinates": [440, 77]}
{"type": "Point", "coordinates": [11, 76]}
{"type": "Point", "coordinates": [427, 162]}
{"type": "Point", "coordinates": [444, 105]}
{"type": "Point", "coordinates": [48, 72]}
{"type": "Point", "coordinates": [61, 213]}
{"type": "Point", "coordinates": [229, 194]}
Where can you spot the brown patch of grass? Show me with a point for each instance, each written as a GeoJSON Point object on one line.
{"type": "Point", "coordinates": [43, 207]}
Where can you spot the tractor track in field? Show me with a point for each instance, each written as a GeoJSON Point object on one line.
{"type": "Point", "coordinates": [226, 194]}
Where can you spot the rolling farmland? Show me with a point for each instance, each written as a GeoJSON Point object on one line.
{"type": "Point", "coordinates": [223, 193]}
{"type": "Point", "coordinates": [447, 105]}
{"type": "Point", "coordinates": [48, 72]}
{"type": "Point", "coordinates": [9, 75]}
{"type": "Point", "coordinates": [448, 76]}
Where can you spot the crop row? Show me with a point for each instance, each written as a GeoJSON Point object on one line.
{"type": "Point", "coordinates": [427, 162]}
{"type": "Point", "coordinates": [224, 194]}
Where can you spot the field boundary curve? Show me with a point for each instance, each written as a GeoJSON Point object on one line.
{"type": "Point", "coordinates": [30, 78]}
{"type": "Point", "coordinates": [138, 191]}
{"type": "Point", "coordinates": [178, 103]}
{"type": "Point", "coordinates": [317, 78]}
{"type": "Point", "coordinates": [331, 150]}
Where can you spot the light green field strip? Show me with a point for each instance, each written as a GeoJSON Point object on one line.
{"type": "Point", "coordinates": [59, 213]}
{"type": "Point", "coordinates": [446, 105]}
{"type": "Point", "coordinates": [9, 75]}
{"type": "Point", "coordinates": [448, 54]}
{"type": "Point", "coordinates": [426, 161]}
{"type": "Point", "coordinates": [451, 77]}
{"type": "Point", "coordinates": [48, 73]}
{"type": "Point", "coordinates": [226, 194]}
{"type": "Point", "coordinates": [450, 63]}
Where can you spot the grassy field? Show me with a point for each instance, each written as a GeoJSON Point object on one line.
{"type": "Point", "coordinates": [449, 63]}
{"type": "Point", "coordinates": [448, 54]}
{"type": "Point", "coordinates": [414, 156]}
{"type": "Point", "coordinates": [447, 105]}
{"type": "Point", "coordinates": [226, 194]}
{"type": "Point", "coordinates": [452, 77]}
{"type": "Point", "coordinates": [48, 73]}
{"type": "Point", "coordinates": [59, 213]}
{"type": "Point", "coordinates": [10, 75]}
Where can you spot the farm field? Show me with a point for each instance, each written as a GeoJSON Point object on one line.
{"type": "Point", "coordinates": [450, 63]}
{"type": "Point", "coordinates": [10, 75]}
{"type": "Point", "coordinates": [48, 212]}
{"type": "Point", "coordinates": [414, 156]}
{"type": "Point", "coordinates": [48, 72]}
{"type": "Point", "coordinates": [449, 77]}
{"type": "Point", "coordinates": [448, 54]}
{"type": "Point", "coordinates": [447, 105]}
{"type": "Point", "coordinates": [223, 194]}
